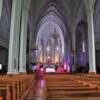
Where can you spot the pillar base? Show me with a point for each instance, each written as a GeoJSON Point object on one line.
{"type": "Point", "coordinates": [12, 73]}
{"type": "Point", "coordinates": [22, 72]}
{"type": "Point", "coordinates": [94, 73]}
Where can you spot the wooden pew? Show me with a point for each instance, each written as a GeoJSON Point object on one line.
{"type": "Point", "coordinates": [17, 84]}
{"type": "Point", "coordinates": [6, 95]}
{"type": "Point", "coordinates": [1, 98]}
{"type": "Point", "coordinates": [69, 87]}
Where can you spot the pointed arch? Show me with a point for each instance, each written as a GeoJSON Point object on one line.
{"type": "Point", "coordinates": [52, 16]}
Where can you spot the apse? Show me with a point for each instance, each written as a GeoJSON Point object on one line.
{"type": "Point", "coordinates": [50, 37]}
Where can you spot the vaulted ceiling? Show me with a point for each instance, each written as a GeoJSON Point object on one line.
{"type": "Point", "coordinates": [73, 11]}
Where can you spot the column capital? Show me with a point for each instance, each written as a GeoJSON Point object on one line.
{"type": "Point", "coordinates": [26, 5]}
{"type": "Point", "coordinates": [89, 4]}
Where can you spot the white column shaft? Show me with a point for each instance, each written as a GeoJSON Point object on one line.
{"type": "Point", "coordinates": [18, 33]}
{"type": "Point", "coordinates": [11, 61]}
{"type": "Point", "coordinates": [74, 50]}
{"type": "Point", "coordinates": [23, 41]}
{"type": "Point", "coordinates": [12, 64]}
{"type": "Point", "coordinates": [91, 42]}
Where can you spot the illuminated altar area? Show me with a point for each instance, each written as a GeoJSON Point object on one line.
{"type": "Point", "coordinates": [50, 43]}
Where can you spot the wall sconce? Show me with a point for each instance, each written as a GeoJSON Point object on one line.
{"type": "Point", "coordinates": [57, 48]}
{"type": "Point", "coordinates": [83, 46]}
{"type": "Point", "coordinates": [40, 48]}
{"type": "Point", "coordinates": [48, 48]}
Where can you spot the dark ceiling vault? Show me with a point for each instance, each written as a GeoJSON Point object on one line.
{"type": "Point", "coordinates": [71, 13]}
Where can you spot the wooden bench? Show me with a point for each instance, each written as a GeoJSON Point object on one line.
{"type": "Point", "coordinates": [17, 84]}
{"type": "Point", "coordinates": [70, 87]}
{"type": "Point", "coordinates": [1, 98]}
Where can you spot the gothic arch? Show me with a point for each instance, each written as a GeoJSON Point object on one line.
{"type": "Point", "coordinates": [55, 9]}
{"type": "Point", "coordinates": [53, 16]}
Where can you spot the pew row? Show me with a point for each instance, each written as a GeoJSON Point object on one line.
{"type": "Point", "coordinates": [70, 87]}
{"type": "Point", "coordinates": [13, 87]}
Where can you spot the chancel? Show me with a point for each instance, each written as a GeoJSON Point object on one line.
{"type": "Point", "coordinates": [49, 50]}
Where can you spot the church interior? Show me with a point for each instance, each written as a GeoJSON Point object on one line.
{"type": "Point", "coordinates": [49, 50]}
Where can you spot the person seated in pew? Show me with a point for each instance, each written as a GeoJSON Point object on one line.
{"type": "Point", "coordinates": [39, 72]}
{"type": "Point", "coordinates": [60, 69]}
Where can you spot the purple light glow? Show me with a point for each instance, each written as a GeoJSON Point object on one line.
{"type": "Point", "coordinates": [42, 83]}
{"type": "Point", "coordinates": [81, 58]}
{"type": "Point", "coordinates": [67, 62]}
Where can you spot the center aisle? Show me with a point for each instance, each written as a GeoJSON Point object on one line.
{"type": "Point", "coordinates": [63, 86]}
{"type": "Point", "coordinates": [37, 91]}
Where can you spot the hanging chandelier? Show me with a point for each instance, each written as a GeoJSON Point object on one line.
{"type": "Point", "coordinates": [55, 35]}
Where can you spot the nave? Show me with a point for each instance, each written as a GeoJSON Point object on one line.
{"type": "Point", "coordinates": [62, 36]}
{"type": "Point", "coordinates": [55, 86]}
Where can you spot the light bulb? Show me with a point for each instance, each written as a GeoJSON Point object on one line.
{"type": "Point", "coordinates": [57, 48]}
{"type": "Point", "coordinates": [40, 48]}
{"type": "Point", "coordinates": [48, 48]}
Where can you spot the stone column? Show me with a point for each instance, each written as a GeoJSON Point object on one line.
{"type": "Point", "coordinates": [73, 50]}
{"type": "Point", "coordinates": [31, 46]}
{"type": "Point", "coordinates": [91, 39]}
{"type": "Point", "coordinates": [14, 35]}
{"type": "Point", "coordinates": [1, 4]}
{"type": "Point", "coordinates": [18, 34]}
{"type": "Point", "coordinates": [23, 39]}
